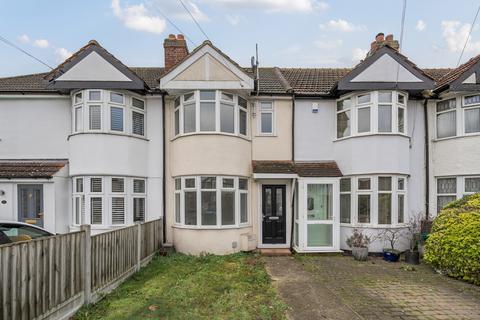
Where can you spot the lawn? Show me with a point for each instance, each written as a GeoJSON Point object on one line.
{"type": "Point", "coordinates": [185, 287]}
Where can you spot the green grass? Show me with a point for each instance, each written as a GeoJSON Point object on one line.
{"type": "Point", "coordinates": [186, 287]}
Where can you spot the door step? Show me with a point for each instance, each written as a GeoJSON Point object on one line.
{"type": "Point", "coordinates": [275, 252]}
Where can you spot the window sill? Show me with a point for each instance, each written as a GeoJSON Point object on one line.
{"type": "Point", "coordinates": [266, 135]}
{"type": "Point", "coordinates": [468, 135]}
{"type": "Point", "coordinates": [371, 135]}
{"type": "Point", "coordinates": [209, 134]}
{"type": "Point", "coordinates": [108, 133]}
{"type": "Point", "coordinates": [372, 226]}
{"type": "Point", "coordinates": [177, 226]}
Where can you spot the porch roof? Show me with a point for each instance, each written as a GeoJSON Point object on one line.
{"type": "Point", "coordinates": [301, 168]}
{"type": "Point", "coordinates": [11, 169]}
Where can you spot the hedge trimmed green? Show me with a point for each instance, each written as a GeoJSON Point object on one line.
{"type": "Point", "coordinates": [454, 243]}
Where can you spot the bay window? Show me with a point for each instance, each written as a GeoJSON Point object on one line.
{"type": "Point", "coordinates": [210, 111]}
{"type": "Point", "coordinates": [384, 200]}
{"type": "Point", "coordinates": [211, 201]}
{"type": "Point", "coordinates": [446, 118]}
{"type": "Point", "coordinates": [401, 200]}
{"type": "Point", "coordinates": [371, 113]}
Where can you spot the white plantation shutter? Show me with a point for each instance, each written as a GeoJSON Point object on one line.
{"type": "Point", "coordinates": [138, 125]}
{"type": "Point", "coordinates": [118, 185]}
{"type": "Point", "coordinates": [118, 210]}
{"type": "Point", "coordinates": [116, 119]}
{"type": "Point", "coordinates": [96, 210]}
{"type": "Point", "coordinates": [138, 186]}
{"type": "Point", "coordinates": [95, 117]}
{"type": "Point", "coordinates": [138, 209]}
{"type": "Point", "coordinates": [95, 184]}
{"type": "Point", "coordinates": [137, 103]}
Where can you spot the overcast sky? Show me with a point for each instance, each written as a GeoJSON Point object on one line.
{"type": "Point", "coordinates": [298, 33]}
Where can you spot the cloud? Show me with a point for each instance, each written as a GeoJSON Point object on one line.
{"type": "Point", "coordinates": [41, 43]}
{"type": "Point", "coordinates": [359, 54]}
{"type": "Point", "coordinates": [421, 25]}
{"type": "Point", "coordinates": [136, 17]}
{"type": "Point", "coordinates": [455, 35]}
{"type": "Point", "coordinates": [62, 54]}
{"type": "Point", "coordinates": [273, 5]}
{"type": "Point", "coordinates": [24, 38]}
{"type": "Point", "coordinates": [328, 44]}
{"type": "Point", "coordinates": [342, 25]}
{"type": "Point", "coordinates": [234, 20]}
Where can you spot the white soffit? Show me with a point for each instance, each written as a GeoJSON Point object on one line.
{"type": "Point", "coordinates": [385, 69]}
{"type": "Point", "coordinates": [93, 68]}
{"type": "Point", "coordinates": [472, 79]}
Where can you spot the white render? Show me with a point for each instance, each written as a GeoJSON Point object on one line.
{"type": "Point", "coordinates": [386, 69]}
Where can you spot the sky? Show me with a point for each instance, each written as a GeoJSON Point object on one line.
{"type": "Point", "coordinates": [289, 33]}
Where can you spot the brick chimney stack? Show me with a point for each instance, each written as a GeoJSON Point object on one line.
{"type": "Point", "coordinates": [175, 50]}
{"type": "Point", "coordinates": [381, 40]}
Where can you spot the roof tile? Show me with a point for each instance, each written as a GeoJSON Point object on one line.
{"type": "Point", "coordinates": [11, 169]}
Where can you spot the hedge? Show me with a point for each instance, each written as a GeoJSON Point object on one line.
{"type": "Point", "coordinates": [453, 246]}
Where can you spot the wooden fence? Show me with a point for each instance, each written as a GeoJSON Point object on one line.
{"type": "Point", "coordinates": [51, 278]}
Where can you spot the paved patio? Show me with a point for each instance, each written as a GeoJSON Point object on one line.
{"type": "Point", "coordinates": [338, 287]}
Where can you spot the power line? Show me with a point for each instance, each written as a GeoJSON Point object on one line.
{"type": "Point", "coordinates": [23, 51]}
{"type": "Point", "coordinates": [194, 20]}
{"type": "Point", "coordinates": [468, 36]}
{"type": "Point", "coordinates": [174, 25]}
{"type": "Point", "coordinates": [402, 28]}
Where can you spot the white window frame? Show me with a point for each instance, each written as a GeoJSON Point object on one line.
{"type": "Point", "coordinates": [110, 117]}
{"type": "Point", "coordinates": [122, 195]}
{"type": "Point", "coordinates": [454, 194]}
{"type": "Point", "coordinates": [391, 193]}
{"type": "Point", "coordinates": [402, 192]}
{"type": "Point", "coordinates": [138, 110]}
{"type": "Point", "coordinates": [465, 108]}
{"type": "Point", "coordinates": [437, 113]}
{"type": "Point", "coordinates": [266, 111]}
{"type": "Point", "coordinates": [139, 195]}
{"type": "Point", "coordinates": [344, 110]}
{"type": "Point", "coordinates": [80, 195]}
{"type": "Point", "coordinates": [349, 193]}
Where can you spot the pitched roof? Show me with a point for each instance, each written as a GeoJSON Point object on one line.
{"type": "Point", "coordinates": [10, 169]}
{"type": "Point", "coordinates": [313, 80]}
{"type": "Point", "coordinates": [303, 169]}
{"type": "Point", "coordinates": [454, 74]}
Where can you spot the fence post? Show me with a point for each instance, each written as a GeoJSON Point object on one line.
{"type": "Point", "coordinates": [160, 234]}
{"type": "Point", "coordinates": [139, 245]}
{"type": "Point", "coordinates": [87, 258]}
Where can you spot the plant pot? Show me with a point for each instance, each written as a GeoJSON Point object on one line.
{"type": "Point", "coordinates": [360, 253]}
{"type": "Point", "coordinates": [391, 256]}
{"type": "Point", "coordinates": [412, 257]}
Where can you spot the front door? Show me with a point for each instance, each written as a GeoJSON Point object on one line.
{"type": "Point", "coordinates": [273, 212]}
{"type": "Point", "coordinates": [30, 204]}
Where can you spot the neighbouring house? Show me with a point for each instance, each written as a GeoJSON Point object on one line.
{"type": "Point", "coordinates": [238, 158]}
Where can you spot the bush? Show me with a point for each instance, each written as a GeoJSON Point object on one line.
{"type": "Point", "coordinates": [454, 244]}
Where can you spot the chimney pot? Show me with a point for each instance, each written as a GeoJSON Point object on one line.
{"type": "Point", "coordinates": [171, 36]}
{"type": "Point", "coordinates": [389, 37]}
{"type": "Point", "coordinates": [380, 37]}
{"type": "Point", "coordinates": [180, 37]}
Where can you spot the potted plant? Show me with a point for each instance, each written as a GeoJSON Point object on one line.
{"type": "Point", "coordinates": [412, 255]}
{"type": "Point", "coordinates": [359, 243]}
{"type": "Point", "coordinates": [391, 236]}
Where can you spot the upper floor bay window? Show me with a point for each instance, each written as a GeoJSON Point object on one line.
{"type": "Point", "coordinates": [210, 111]}
{"type": "Point", "coordinates": [371, 113]}
{"type": "Point", "coordinates": [211, 201]}
{"type": "Point", "coordinates": [108, 111]}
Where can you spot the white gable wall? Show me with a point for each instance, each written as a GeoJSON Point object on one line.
{"type": "Point", "coordinates": [385, 69]}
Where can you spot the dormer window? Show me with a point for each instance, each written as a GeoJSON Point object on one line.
{"type": "Point", "coordinates": [210, 111]}
{"type": "Point", "coordinates": [377, 112]}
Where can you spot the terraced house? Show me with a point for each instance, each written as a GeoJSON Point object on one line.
{"type": "Point", "coordinates": [237, 158]}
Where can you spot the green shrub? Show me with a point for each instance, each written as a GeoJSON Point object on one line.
{"type": "Point", "coordinates": [454, 244]}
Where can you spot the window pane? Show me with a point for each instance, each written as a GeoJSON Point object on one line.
{"type": "Point", "coordinates": [191, 208]}
{"type": "Point", "coordinates": [228, 208]}
{"type": "Point", "coordinates": [384, 118]}
{"type": "Point", "coordinates": [363, 98]}
{"type": "Point", "coordinates": [385, 183]}
{"type": "Point", "coordinates": [137, 103]}
{"type": "Point", "coordinates": [138, 125]}
{"type": "Point", "coordinates": [227, 96]}
{"type": "Point", "coordinates": [118, 185]}
{"type": "Point", "coordinates": [209, 182]}
{"type": "Point", "coordinates": [343, 104]}
{"type": "Point", "coordinates": [401, 208]}
{"type": "Point", "coordinates": [190, 183]}
{"type": "Point", "coordinates": [345, 184]}
{"type": "Point", "coordinates": [243, 184]}
{"type": "Point", "coordinates": [319, 202]}
{"type": "Point", "coordinates": [116, 119]}
{"type": "Point", "coordinates": [178, 184]}
{"type": "Point", "coordinates": [116, 97]}
{"type": "Point", "coordinates": [138, 186]}
{"type": "Point", "coordinates": [95, 184]}
{"type": "Point", "coordinates": [138, 209]}
{"type": "Point", "coordinates": [243, 122]}
{"type": "Point", "coordinates": [401, 183]}
{"type": "Point", "coordinates": [266, 122]}
{"type": "Point", "coordinates": [78, 119]}
{"type": "Point", "coordinates": [209, 208]}
{"type": "Point", "coordinates": [94, 95]}
{"type": "Point", "coordinates": [472, 100]}
{"type": "Point", "coordinates": [95, 118]}
{"type": "Point", "coordinates": [442, 201]}
{"type": "Point", "coordinates": [364, 208]}
{"type": "Point", "coordinates": [345, 201]}
{"type": "Point", "coordinates": [401, 120]}
{"type": "Point", "coordinates": [447, 124]}
{"type": "Point", "coordinates": [319, 235]}
{"type": "Point", "coordinates": [177, 207]}
{"type": "Point", "coordinates": [401, 99]}
{"type": "Point", "coordinates": [266, 106]}
{"type": "Point", "coordinates": [472, 184]}
{"type": "Point", "coordinates": [78, 210]}
{"type": "Point", "coordinates": [78, 97]}
{"type": "Point", "coordinates": [363, 120]}
{"type": "Point", "coordinates": [384, 97]}
{"type": "Point", "coordinates": [446, 185]}
{"type": "Point", "coordinates": [364, 183]}
{"type": "Point", "coordinates": [118, 210]}
{"type": "Point", "coordinates": [242, 102]}
{"type": "Point", "coordinates": [384, 208]}
{"type": "Point", "coordinates": [207, 116]}
{"type": "Point", "coordinates": [96, 210]}
{"type": "Point", "coordinates": [207, 95]}
{"type": "Point", "coordinates": [177, 102]}
{"type": "Point", "coordinates": [243, 208]}
{"type": "Point", "coordinates": [228, 183]}
{"type": "Point", "coordinates": [472, 120]}
{"type": "Point", "coordinates": [189, 96]}
{"type": "Point", "coordinates": [177, 122]}
{"type": "Point", "coordinates": [227, 118]}
{"type": "Point", "coordinates": [343, 124]}
{"type": "Point", "coordinates": [446, 105]}
{"type": "Point", "coordinates": [79, 185]}
{"type": "Point", "coordinates": [189, 118]}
